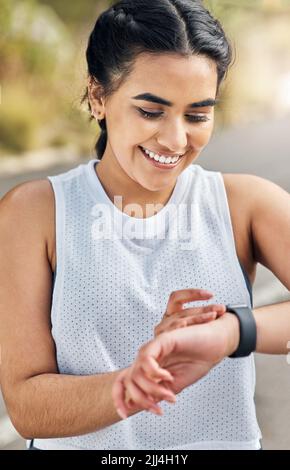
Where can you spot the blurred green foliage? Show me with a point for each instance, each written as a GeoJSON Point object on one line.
{"type": "Point", "coordinates": [43, 67]}
{"type": "Point", "coordinates": [76, 13]}
{"type": "Point", "coordinates": [40, 78]}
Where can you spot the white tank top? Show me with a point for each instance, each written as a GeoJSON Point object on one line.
{"type": "Point", "coordinates": [113, 279]}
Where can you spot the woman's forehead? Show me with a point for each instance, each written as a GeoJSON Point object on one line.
{"type": "Point", "coordinates": [167, 74]}
{"type": "Point", "coordinates": [171, 60]}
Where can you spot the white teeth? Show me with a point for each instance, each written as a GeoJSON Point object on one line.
{"type": "Point", "coordinates": [161, 158]}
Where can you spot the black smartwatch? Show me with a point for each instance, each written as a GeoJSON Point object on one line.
{"type": "Point", "coordinates": [248, 330]}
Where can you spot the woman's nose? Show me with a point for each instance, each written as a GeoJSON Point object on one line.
{"type": "Point", "coordinates": [174, 138]}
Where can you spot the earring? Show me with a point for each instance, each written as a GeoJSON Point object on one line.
{"type": "Point", "coordinates": [99, 115]}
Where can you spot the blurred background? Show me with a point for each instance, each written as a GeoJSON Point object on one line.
{"type": "Point", "coordinates": [45, 130]}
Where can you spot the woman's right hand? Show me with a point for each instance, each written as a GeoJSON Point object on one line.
{"type": "Point", "coordinates": [169, 363]}
{"type": "Point", "coordinates": [175, 317]}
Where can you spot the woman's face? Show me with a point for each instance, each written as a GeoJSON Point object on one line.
{"type": "Point", "coordinates": [165, 107]}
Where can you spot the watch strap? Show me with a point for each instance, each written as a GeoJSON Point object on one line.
{"type": "Point", "coordinates": [248, 330]}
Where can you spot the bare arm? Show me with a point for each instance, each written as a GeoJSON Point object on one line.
{"type": "Point", "coordinates": [268, 206]}
{"type": "Point", "coordinates": [273, 328]}
{"type": "Point", "coordinates": [56, 405]}
{"type": "Point", "coordinates": [270, 222]}
{"type": "Point", "coordinates": [40, 401]}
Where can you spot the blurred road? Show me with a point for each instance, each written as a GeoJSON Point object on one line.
{"type": "Point", "coordinates": [262, 149]}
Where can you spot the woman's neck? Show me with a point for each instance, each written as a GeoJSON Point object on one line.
{"type": "Point", "coordinates": [124, 192]}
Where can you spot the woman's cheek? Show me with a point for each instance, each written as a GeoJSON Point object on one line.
{"type": "Point", "coordinates": [202, 137]}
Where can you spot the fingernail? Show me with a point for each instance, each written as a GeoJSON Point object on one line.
{"type": "Point", "coordinates": [169, 377]}
{"type": "Point", "coordinates": [121, 413]}
{"type": "Point", "coordinates": [156, 411]}
{"type": "Point", "coordinates": [205, 292]}
{"type": "Point", "coordinates": [170, 395]}
{"type": "Point", "coordinates": [171, 399]}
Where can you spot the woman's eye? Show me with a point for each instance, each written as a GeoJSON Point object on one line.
{"type": "Point", "coordinates": [190, 117]}
{"type": "Point", "coordinates": [148, 115]}
{"type": "Point", "coordinates": [197, 118]}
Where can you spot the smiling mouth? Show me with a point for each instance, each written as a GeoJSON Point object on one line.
{"type": "Point", "coordinates": [160, 161]}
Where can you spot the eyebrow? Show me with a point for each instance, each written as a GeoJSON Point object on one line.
{"type": "Point", "coordinates": [157, 99]}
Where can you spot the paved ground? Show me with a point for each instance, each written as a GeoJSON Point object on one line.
{"type": "Point", "coordinates": [262, 149]}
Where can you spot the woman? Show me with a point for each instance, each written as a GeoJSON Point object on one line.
{"type": "Point", "coordinates": [90, 257]}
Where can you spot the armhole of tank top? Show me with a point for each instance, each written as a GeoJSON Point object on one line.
{"type": "Point", "coordinates": [59, 241]}
{"type": "Point", "coordinates": [241, 273]}
{"type": "Point", "coordinates": [223, 205]}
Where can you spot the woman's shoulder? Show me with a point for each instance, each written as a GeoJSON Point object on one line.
{"type": "Point", "coordinates": [32, 199]}
{"type": "Point", "coordinates": [235, 183]}
{"type": "Point", "coordinates": [249, 190]}
{"type": "Point", "coordinates": [239, 180]}
{"type": "Point", "coordinates": [30, 206]}
{"type": "Point", "coordinates": [29, 191]}
{"type": "Point", "coordinates": [240, 190]}
{"type": "Point", "coordinates": [240, 206]}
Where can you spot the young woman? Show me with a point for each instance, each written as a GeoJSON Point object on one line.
{"type": "Point", "coordinates": [90, 257]}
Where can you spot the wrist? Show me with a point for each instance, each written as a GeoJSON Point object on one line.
{"type": "Point", "coordinates": [231, 331]}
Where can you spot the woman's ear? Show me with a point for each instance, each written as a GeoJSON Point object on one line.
{"type": "Point", "coordinates": [96, 100]}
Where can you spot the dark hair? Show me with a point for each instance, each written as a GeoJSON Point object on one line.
{"type": "Point", "coordinates": [131, 27]}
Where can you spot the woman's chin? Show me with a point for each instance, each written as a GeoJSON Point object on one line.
{"type": "Point", "coordinates": [154, 186]}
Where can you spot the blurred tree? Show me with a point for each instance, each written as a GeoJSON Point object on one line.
{"type": "Point", "coordinates": [35, 36]}
{"type": "Point", "coordinates": [5, 16]}
{"type": "Point", "coordinates": [35, 50]}
{"type": "Point", "coordinates": [77, 13]}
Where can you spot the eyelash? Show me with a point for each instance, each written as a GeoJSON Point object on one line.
{"type": "Point", "coordinates": [147, 115]}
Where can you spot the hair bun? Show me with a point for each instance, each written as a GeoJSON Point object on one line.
{"type": "Point", "coordinates": [120, 17]}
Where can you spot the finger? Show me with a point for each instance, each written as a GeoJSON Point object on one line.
{"type": "Point", "coordinates": [204, 318]}
{"type": "Point", "coordinates": [194, 320]}
{"type": "Point", "coordinates": [221, 312]}
{"type": "Point", "coordinates": [190, 320]}
{"type": "Point", "coordinates": [160, 391]}
{"type": "Point", "coordinates": [118, 394]}
{"type": "Point", "coordinates": [219, 308]}
{"type": "Point", "coordinates": [140, 399]}
{"type": "Point", "coordinates": [153, 370]}
{"type": "Point", "coordinates": [178, 298]}
{"type": "Point", "coordinates": [167, 325]}
{"type": "Point", "coordinates": [154, 353]}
